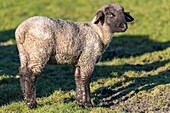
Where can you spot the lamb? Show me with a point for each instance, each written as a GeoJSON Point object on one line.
{"type": "Point", "coordinates": [43, 40]}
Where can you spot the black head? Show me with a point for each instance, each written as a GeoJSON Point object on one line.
{"type": "Point", "coordinates": [113, 17]}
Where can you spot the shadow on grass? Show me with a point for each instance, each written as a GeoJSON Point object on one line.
{"type": "Point", "coordinates": [7, 35]}
{"type": "Point", "coordinates": [9, 85]}
{"type": "Point", "coordinates": [113, 96]}
{"type": "Point", "coordinates": [132, 45]}
{"type": "Point", "coordinates": [61, 77]}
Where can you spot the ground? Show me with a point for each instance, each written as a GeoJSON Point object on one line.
{"type": "Point", "coordinates": [132, 76]}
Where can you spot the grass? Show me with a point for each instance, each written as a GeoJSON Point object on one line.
{"type": "Point", "coordinates": [135, 68]}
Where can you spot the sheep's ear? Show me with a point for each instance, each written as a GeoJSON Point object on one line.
{"type": "Point", "coordinates": [128, 17]}
{"type": "Point", "coordinates": [99, 17]}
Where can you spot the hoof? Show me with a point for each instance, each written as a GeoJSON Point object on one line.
{"type": "Point", "coordinates": [85, 105]}
{"type": "Point", "coordinates": [32, 105]}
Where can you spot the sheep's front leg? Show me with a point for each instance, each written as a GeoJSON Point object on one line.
{"type": "Point", "coordinates": [85, 87]}
{"type": "Point", "coordinates": [82, 78]}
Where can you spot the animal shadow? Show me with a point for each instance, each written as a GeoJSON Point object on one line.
{"type": "Point", "coordinates": [112, 95]}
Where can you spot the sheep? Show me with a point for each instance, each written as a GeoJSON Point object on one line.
{"type": "Point", "coordinates": [42, 40]}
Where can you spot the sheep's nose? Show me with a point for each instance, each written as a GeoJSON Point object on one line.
{"type": "Point", "coordinates": [123, 26]}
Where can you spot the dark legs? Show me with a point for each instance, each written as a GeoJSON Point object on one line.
{"type": "Point", "coordinates": [78, 85]}
{"type": "Point", "coordinates": [28, 76]}
{"type": "Point", "coordinates": [34, 55]}
{"type": "Point", "coordinates": [82, 78]}
{"type": "Point", "coordinates": [86, 101]}
{"type": "Point", "coordinates": [28, 85]}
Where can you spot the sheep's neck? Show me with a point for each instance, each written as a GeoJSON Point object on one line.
{"type": "Point", "coordinates": [104, 34]}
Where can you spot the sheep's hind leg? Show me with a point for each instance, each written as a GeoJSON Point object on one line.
{"type": "Point", "coordinates": [28, 85]}
{"type": "Point", "coordinates": [28, 76]}
{"type": "Point", "coordinates": [34, 55]}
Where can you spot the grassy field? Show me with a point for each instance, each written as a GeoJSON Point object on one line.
{"type": "Point", "coordinates": [132, 76]}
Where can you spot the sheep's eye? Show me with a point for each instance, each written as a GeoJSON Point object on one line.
{"type": "Point", "coordinates": [111, 15]}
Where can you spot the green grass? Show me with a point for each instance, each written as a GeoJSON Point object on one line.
{"type": "Point", "coordinates": [135, 67]}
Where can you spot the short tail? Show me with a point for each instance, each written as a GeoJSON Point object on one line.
{"type": "Point", "coordinates": [24, 56]}
{"type": "Point", "coordinates": [20, 33]}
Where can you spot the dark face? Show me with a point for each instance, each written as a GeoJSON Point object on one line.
{"type": "Point", "coordinates": [114, 17]}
